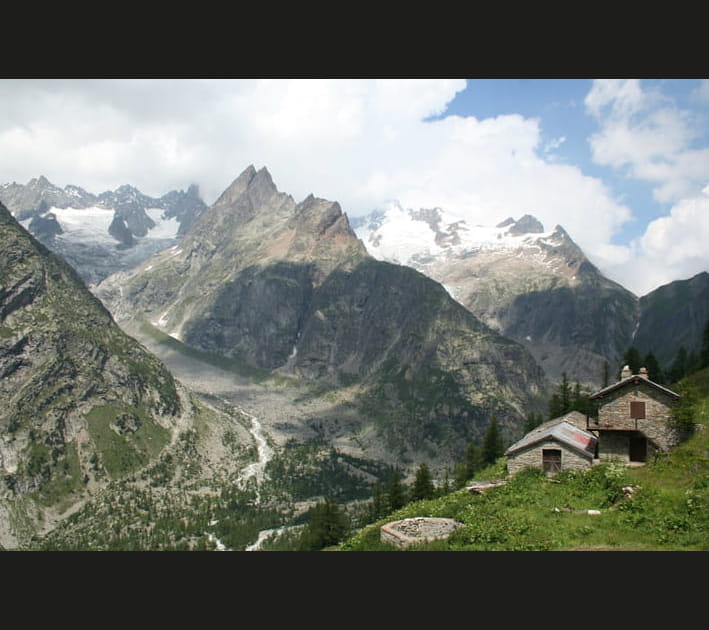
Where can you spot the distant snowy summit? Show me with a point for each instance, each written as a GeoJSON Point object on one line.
{"type": "Point", "coordinates": [531, 284]}
{"type": "Point", "coordinates": [101, 234]}
{"type": "Point", "coordinates": [422, 237]}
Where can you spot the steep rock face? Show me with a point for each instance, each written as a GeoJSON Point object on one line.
{"type": "Point", "coordinates": [672, 316]}
{"type": "Point", "coordinates": [80, 401]}
{"type": "Point", "coordinates": [288, 287]}
{"type": "Point", "coordinates": [535, 287]}
{"type": "Point", "coordinates": [101, 234]}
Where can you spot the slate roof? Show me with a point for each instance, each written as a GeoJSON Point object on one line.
{"type": "Point", "coordinates": [561, 431]}
{"type": "Point", "coordinates": [634, 380]}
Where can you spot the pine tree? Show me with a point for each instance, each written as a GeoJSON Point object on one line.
{"type": "Point", "coordinates": [423, 487]}
{"type": "Point", "coordinates": [446, 486]}
{"type": "Point", "coordinates": [474, 460]}
{"type": "Point", "coordinates": [654, 373]}
{"type": "Point", "coordinates": [460, 475]}
{"type": "Point", "coordinates": [492, 443]}
{"type": "Point", "coordinates": [605, 377]}
{"type": "Point", "coordinates": [377, 506]}
{"type": "Point", "coordinates": [532, 422]}
{"type": "Point", "coordinates": [395, 492]}
{"type": "Point", "coordinates": [632, 359]}
{"type": "Point", "coordinates": [560, 402]}
{"type": "Point", "coordinates": [581, 401]}
{"type": "Point", "coordinates": [704, 354]}
{"type": "Point", "coordinates": [678, 369]}
{"type": "Point", "coordinates": [327, 527]}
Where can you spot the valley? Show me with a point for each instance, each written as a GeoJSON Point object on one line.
{"type": "Point", "coordinates": [249, 359]}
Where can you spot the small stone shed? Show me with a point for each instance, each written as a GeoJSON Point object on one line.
{"type": "Point", "coordinates": [559, 444]}
{"type": "Point", "coordinates": [635, 418]}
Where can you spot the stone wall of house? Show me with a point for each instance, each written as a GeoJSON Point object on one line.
{"type": "Point", "coordinates": [656, 426]}
{"type": "Point", "coordinates": [531, 457]}
{"type": "Point", "coordinates": [614, 446]}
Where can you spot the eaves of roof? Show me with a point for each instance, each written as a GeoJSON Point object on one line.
{"type": "Point", "coordinates": [635, 379]}
{"type": "Point", "coordinates": [564, 432]}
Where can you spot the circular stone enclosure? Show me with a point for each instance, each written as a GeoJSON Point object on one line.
{"type": "Point", "coordinates": [419, 529]}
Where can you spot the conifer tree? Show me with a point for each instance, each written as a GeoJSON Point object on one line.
{"type": "Point", "coordinates": [632, 359]}
{"type": "Point", "coordinates": [678, 369]}
{"type": "Point", "coordinates": [704, 354]}
{"type": "Point", "coordinates": [560, 402]}
{"type": "Point", "coordinates": [446, 486]}
{"type": "Point", "coordinates": [654, 373]}
{"type": "Point", "coordinates": [327, 526]}
{"type": "Point", "coordinates": [423, 487]}
{"type": "Point", "coordinates": [395, 492]}
{"type": "Point", "coordinates": [532, 422]}
{"type": "Point", "coordinates": [377, 506]}
{"type": "Point", "coordinates": [492, 443]}
{"type": "Point", "coordinates": [474, 460]}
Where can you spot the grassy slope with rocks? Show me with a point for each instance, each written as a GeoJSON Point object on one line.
{"type": "Point", "coordinates": [667, 511]}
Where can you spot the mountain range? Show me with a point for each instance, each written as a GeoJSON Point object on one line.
{"type": "Point", "coordinates": [288, 288]}
{"type": "Point", "coordinates": [101, 234]}
{"type": "Point", "coordinates": [537, 287]}
{"type": "Point", "coordinates": [384, 341]}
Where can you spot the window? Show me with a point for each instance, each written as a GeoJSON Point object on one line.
{"type": "Point", "coordinates": [637, 409]}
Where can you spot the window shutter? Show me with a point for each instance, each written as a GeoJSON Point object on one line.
{"type": "Point", "coordinates": [637, 409]}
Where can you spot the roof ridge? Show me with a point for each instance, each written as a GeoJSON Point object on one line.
{"type": "Point", "coordinates": [633, 377]}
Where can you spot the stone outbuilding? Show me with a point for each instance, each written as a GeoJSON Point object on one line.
{"type": "Point", "coordinates": [634, 422]}
{"type": "Point", "coordinates": [559, 444]}
{"type": "Point", "coordinates": [634, 418]}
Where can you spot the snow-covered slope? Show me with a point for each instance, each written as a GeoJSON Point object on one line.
{"type": "Point", "coordinates": [91, 225]}
{"type": "Point", "coordinates": [101, 234]}
{"type": "Point", "coordinates": [533, 285]}
{"type": "Point", "coordinates": [417, 237]}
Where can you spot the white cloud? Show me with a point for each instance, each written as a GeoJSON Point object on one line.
{"type": "Point", "coordinates": [643, 131]}
{"type": "Point", "coordinates": [359, 142]}
{"type": "Point", "coordinates": [673, 247]}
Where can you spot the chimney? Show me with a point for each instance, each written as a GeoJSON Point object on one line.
{"type": "Point", "coordinates": [643, 372]}
{"type": "Point", "coordinates": [626, 372]}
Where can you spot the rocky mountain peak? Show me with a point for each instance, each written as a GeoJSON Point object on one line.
{"type": "Point", "coordinates": [527, 225]}
{"type": "Point", "coordinates": [251, 192]}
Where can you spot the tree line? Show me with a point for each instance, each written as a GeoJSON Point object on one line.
{"type": "Point", "coordinates": [684, 363]}
{"type": "Point", "coordinates": [329, 524]}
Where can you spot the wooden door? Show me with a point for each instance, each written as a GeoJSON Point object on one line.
{"type": "Point", "coordinates": [638, 448]}
{"type": "Point", "coordinates": [551, 460]}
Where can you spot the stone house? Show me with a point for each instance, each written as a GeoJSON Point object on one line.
{"type": "Point", "coordinates": [634, 418]}
{"type": "Point", "coordinates": [634, 422]}
{"type": "Point", "coordinates": [559, 444]}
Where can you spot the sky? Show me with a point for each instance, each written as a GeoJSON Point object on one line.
{"type": "Point", "coordinates": [621, 164]}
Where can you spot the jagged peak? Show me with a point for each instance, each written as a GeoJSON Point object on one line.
{"type": "Point", "coordinates": [249, 179]}
{"type": "Point", "coordinates": [40, 182]}
{"type": "Point", "coordinates": [505, 223]}
{"type": "Point", "coordinates": [527, 224]}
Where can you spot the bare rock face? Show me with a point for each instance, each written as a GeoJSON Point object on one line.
{"type": "Point", "coordinates": [95, 251]}
{"type": "Point", "coordinates": [289, 288]}
{"type": "Point", "coordinates": [68, 374]}
{"type": "Point", "coordinates": [533, 286]}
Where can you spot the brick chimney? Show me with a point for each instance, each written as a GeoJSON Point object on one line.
{"type": "Point", "coordinates": [626, 372]}
{"type": "Point", "coordinates": [643, 372]}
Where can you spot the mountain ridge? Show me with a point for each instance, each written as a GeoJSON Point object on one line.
{"type": "Point", "coordinates": [534, 286]}
{"type": "Point", "coordinates": [100, 234]}
{"type": "Point", "coordinates": [289, 287]}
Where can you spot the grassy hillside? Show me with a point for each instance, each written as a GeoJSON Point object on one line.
{"type": "Point", "coordinates": [667, 510]}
